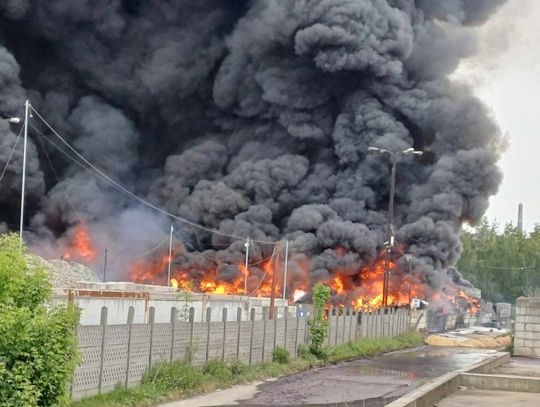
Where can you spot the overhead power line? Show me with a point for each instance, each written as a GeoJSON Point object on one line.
{"type": "Point", "coordinates": [11, 154]}
{"type": "Point", "coordinates": [151, 250]}
{"type": "Point", "coordinates": [214, 260]}
{"type": "Point", "coordinates": [121, 188]}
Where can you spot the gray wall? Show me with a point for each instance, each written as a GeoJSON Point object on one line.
{"type": "Point", "coordinates": [527, 327]}
{"type": "Point", "coordinates": [119, 355]}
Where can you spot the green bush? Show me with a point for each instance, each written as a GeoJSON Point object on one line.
{"type": "Point", "coordinates": [238, 368]}
{"type": "Point", "coordinates": [219, 370]}
{"type": "Point", "coordinates": [178, 376]}
{"type": "Point", "coordinates": [280, 355]}
{"type": "Point", "coordinates": [318, 352]}
{"type": "Point", "coordinates": [38, 344]}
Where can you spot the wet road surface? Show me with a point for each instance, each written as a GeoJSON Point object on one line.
{"type": "Point", "coordinates": [371, 382]}
{"type": "Point", "coordinates": [384, 377]}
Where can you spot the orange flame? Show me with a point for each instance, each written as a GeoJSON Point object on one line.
{"type": "Point", "coordinates": [80, 247]}
{"type": "Point", "coordinates": [360, 289]}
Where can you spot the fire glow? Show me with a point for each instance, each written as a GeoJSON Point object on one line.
{"type": "Point", "coordinates": [80, 247]}
{"type": "Point", "coordinates": [360, 289]}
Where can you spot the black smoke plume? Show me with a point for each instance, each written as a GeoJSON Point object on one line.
{"type": "Point", "coordinates": [251, 117]}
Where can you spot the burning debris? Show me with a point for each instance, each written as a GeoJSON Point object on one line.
{"type": "Point", "coordinates": [253, 118]}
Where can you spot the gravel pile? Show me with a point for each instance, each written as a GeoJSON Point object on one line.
{"type": "Point", "coordinates": [66, 274]}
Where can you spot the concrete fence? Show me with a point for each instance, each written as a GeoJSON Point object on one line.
{"type": "Point", "coordinates": [119, 355]}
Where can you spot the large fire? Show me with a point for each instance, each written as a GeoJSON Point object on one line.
{"type": "Point", "coordinates": [360, 289]}
{"type": "Point", "coordinates": [80, 246]}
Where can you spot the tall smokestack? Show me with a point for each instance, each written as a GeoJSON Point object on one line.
{"type": "Point", "coordinates": [520, 217]}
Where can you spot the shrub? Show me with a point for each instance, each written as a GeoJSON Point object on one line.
{"type": "Point", "coordinates": [319, 352]}
{"type": "Point", "coordinates": [319, 325]}
{"type": "Point", "coordinates": [38, 344]}
{"type": "Point", "coordinates": [238, 368]}
{"type": "Point", "coordinates": [280, 355]}
{"type": "Point", "coordinates": [219, 370]}
{"type": "Point", "coordinates": [177, 375]}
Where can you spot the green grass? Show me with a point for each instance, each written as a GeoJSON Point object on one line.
{"type": "Point", "coordinates": [370, 347]}
{"type": "Point", "coordinates": [173, 381]}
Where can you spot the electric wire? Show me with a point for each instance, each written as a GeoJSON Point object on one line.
{"type": "Point", "coordinates": [119, 187]}
{"type": "Point", "coordinates": [11, 154]}
{"type": "Point", "coordinates": [77, 214]}
{"type": "Point", "coordinates": [264, 275]}
{"type": "Point", "coordinates": [212, 259]}
{"type": "Point", "coordinates": [149, 251]}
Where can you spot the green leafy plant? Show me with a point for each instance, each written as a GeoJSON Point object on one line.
{"type": "Point", "coordinates": [219, 370]}
{"type": "Point", "coordinates": [280, 355]}
{"type": "Point", "coordinates": [238, 368]}
{"type": "Point", "coordinates": [179, 376]}
{"type": "Point", "coordinates": [38, 344]}
{"type": "Point", "coordinates": [319, 325]}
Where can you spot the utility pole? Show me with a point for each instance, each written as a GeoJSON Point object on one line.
{"type": "Point", "coordinates": [408, 257]}
{"type": "Point", "coordinates": [246, 245]}
{"type": "Point", "coordinates": [285, 270]}
{"type": "Point", "coordinates": [170, 256]}
{"type": "Point", "coordinates": [394, 155]}
{"type": "Point", "coordinates": [105, 266]}
{"type": "Point", "coordinates": [390, 233]}
{"type": "Point", "coordinates": [271, 313]}
{"type": "Point", "coordinates": [26, 111]}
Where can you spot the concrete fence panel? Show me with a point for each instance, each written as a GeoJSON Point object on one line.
{"type": "Point", "coordinates": [120, 354]}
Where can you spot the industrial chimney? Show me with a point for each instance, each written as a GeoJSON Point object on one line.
{"type": "Point", "coordinates": [520, 217]}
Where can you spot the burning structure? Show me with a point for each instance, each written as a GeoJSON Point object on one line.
{"type": "Point", "coordinates": [252, 119]}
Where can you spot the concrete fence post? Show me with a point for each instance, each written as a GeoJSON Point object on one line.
{"type": "Point", "coordinates": [239, 320]}
{"type": "Point", "coordinates": [252, 319]}
{"type": "Point", "coordinates": [336, 317]}
{"type": "Point", "coordinates": [151, 320]}
{"type": "Point", "coordinates": [224, 342]}
{"type": "Point", "coordinates": [381, 322]}
{"type": "Point", "coordinates": [306, 330]}
{"type": "Point", "coordinates": [275, 332]}
{"type": "Point", "coordinates": [351, 320]}
{"type": "Point", "coordinates": [131, 315]}
{"type": "Point", "coordinates": [103, 323]}
{"type": "Point", "coordinates": [345, 317]}
{"type": "Point", "coordinates": [285, 315]}
{"type": "Point", "coordinates": [391, 322]}
{"type": "Point", "coordinates": [208, 320]}
{"type": "Point", "coordinates": [174, 318]}
{"type": "Point", "coordinates": [189, 350]}
{"type": "Point", "coordinates": [362, 322]}
{"type": "Point", "coordinates": [265, 321]}
{"type": "Point", "coordinates": [296, 336]}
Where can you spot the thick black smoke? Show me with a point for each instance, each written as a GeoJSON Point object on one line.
{"type": "Point", "coordinates": [254, 118]}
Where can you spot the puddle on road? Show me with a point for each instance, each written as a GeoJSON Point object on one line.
{"type": "Point", "coordinates": [376, 380]}
{"type": "Point", "coordinates": [424, 363]}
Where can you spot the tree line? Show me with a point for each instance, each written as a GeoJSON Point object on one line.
{"type": "Point", "coordinates": [503, 262]}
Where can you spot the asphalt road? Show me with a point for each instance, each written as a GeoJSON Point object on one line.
{"type": "Point", "coordinates": [348, 384]}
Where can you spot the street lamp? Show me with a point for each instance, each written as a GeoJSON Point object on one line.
{"type": "Point", "coordinates": [394, 155]}
{"type": "Point", "coordinates": [12, 120]}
